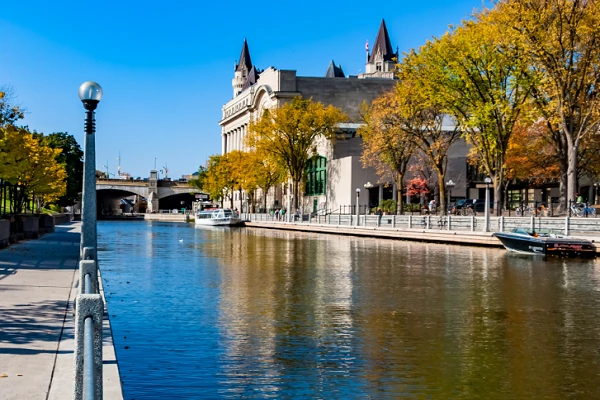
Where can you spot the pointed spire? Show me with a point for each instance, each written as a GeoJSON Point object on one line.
{"type": "Point", "coordinates": [383, 44]}
{"type": "Point", "coordinates": [245, 61]}
{"type": "Point", "coordinates": [252, 78]}
{"type": "Point", "coordinates": [334, 71]}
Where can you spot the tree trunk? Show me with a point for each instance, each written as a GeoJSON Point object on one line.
{"type": "Point", "coordinates": [442, 190]}
{"type": "Point", "coordinates": [400, 199]}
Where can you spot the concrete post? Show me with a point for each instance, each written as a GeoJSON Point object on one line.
{"type": "Point", "coordinates": [88, 211]}
{"type": "Point", "coordinates": [567, 225]}
{"type": "Point", "coordinates": [89, 253]}
{"type": "Point", "coordinates": [88, 267]}
{"type": "Point", "coordinates": [88, 305]}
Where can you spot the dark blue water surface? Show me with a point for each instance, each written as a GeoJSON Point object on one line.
{"type": "Point", "coordinates": [254, 313]}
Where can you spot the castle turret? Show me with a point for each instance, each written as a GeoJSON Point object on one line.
{"type": "Point", "coordinates": [242, 69]}
{"type": "Point", "coordinates": [381, 63]}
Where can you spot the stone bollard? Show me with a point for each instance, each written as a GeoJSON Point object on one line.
{"type": "Point", "coordinates": [88, 267]}
{"type": "Point", "coordinates": [88, 305]}
{"type": "Point", "coordinates": [88, 253]}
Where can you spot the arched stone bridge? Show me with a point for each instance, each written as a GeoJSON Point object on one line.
{"type": "Point", "coordinates": [111, 191]}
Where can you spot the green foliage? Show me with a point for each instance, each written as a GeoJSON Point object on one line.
{"type": "Point", "coordinates": [71, 158]}
{"type": "Point", "coordinates": [389, 206]}
{"type": "Point", "coordinates": [198, 182]}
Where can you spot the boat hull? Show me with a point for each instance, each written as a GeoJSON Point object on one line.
{"type": "Point", "coordinates": [218, 222]}
{"type": "Point", "coordinates": [564, 247]}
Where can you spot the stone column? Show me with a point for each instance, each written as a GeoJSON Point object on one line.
{"type": "Point", "coordinates": [153, 192]}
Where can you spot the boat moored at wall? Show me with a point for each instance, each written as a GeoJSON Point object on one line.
{"type": "Point", "coordinates": [218, 217]}
{"type": "Point", "coordinates": [522, 241]}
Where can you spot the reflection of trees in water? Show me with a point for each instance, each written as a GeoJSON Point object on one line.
{"type": "Point", "coordinates": [455, 322]}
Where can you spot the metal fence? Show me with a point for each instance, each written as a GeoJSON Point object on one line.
{"type": "Point", "coordinates": [560, 225]}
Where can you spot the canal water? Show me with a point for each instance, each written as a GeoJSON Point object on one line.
{"type": "Point", "coordinates": [255, 313]}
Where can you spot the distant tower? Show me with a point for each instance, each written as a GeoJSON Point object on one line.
{"type": "Point", "coordinates": [381, 63]}
{"type": "Point", "coordinates": [242, 69]}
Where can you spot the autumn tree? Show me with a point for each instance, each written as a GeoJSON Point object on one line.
{"type": "Point", "coordinates": [288, 135]}
{"type": "Point", "coordinates": [218, 182]}
{"type": "Point", "coordinates": [386, 146]}
{"type": "Point", "coordinates": [71, 158]}
{"type": "Point", "coordinates": [262, 173]}
{"type": "Point", "coordinates": [531, 156]}
{"type": "Point", "coordinates": [481, 79]}
{"type": "Point", "coordinates": [562, 40]}
{"type": "Point", "coordinates": [30, 167]}
{"type": "Point", "coordinates": [427, 124]}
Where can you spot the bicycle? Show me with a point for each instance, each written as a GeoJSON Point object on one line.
{"type": "Point", "coordinates": [577, 209]}
{"type": "Point", "coordinates": [523, 211]}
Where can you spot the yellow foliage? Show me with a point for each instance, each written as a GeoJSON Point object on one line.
{"type": "Point", "coordinates": [26, 162]}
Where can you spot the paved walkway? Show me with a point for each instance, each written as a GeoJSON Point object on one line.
{"type": "Point", "coordinates": [38, 283]}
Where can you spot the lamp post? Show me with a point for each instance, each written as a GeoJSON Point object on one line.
{"type": "Point", "coordinates": [357, 196]}
{"type": "Point", "coordinates": [449, 186]}
{"type": "Point", "coordinates": [486, 225]}
{"type": "Point", "coordinates": [90, 94]}
{"type": "Point", "coordinates": [596, 192]}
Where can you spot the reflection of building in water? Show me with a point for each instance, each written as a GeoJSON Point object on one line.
{"type": "Point", "coordinates": [282, 297]}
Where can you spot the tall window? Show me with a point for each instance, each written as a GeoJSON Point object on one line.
{"type": "Point", "coordinates": [316, 176]}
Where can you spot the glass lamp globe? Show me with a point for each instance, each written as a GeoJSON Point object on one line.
{"type": "Point", "coordinates": [90, 94]}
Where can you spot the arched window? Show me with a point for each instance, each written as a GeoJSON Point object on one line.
{"type": "Point", "coordinates": [316, 176]}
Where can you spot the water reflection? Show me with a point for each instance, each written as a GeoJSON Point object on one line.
{"type": "Point", "coordinates": [263, 313]}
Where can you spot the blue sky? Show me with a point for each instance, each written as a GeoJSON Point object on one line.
{"type": "Point", "coordinates": [166, 67]}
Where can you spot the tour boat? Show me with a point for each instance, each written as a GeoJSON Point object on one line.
{"type": "Point", "coordinates": [218, 217]}
{"type": "Point", "coordinates": [521, 241]}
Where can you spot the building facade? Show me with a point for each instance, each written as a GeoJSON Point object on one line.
{"type": "Point", "coordinates": [333, 176]}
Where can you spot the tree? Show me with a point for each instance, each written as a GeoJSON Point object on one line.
{"type": "Point", "coordinates": [530, 156]}
{"type": "Point", "coordinates": [71, 158]}
{"type": "Point", "coordinates": [198, 182]}
{"type": "Point", "coordinates": [30, 167]}
{"type": "Point", "coordinates": [386, 145]}
{"type": "Point", "coordinates": [426, 123]}
{"type": "Point", "coordinates": [219, 182]}
{"type": "Point", "coordinates": [263, 173]}
{"type": "Point", "coordinates": [480, 78]}
{"type": "Point", "coordinates": [289, 134]}
{"type": "Point", "coordinates": [563, 43]}
{"type": "Point", "coordinates": [9, 113]}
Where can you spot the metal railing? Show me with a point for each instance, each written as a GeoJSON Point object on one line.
{"type": "Point", "coordinates": [560, 225]}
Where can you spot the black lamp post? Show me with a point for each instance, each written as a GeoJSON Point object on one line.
{"type": "Point", "coordinates": [90, 94]}
{"type": "Point", "coordinates": [487, 181]}
{"type": "Point", "coordinates": [449, 186]}
{"type": "Point", "coordinates": [357, 210]}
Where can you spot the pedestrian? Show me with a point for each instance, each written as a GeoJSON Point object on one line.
{"type": "Point", "coordinates": [379, 216]}
{"type": "Point", "coordinates": [277, 213]}
{"type": "Point", "coordinates": [432, 206]}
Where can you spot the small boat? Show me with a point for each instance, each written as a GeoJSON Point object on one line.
{"type": "Point", "coordinates": [218, 217]}
{"type": "Point", "coordinates": [521, 241]}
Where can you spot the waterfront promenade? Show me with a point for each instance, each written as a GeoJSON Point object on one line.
{"type": "Point", "coordinates": [38, 284]}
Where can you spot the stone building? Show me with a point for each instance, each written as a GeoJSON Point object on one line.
{"type": "Point", "coordinates": [337, 172]}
